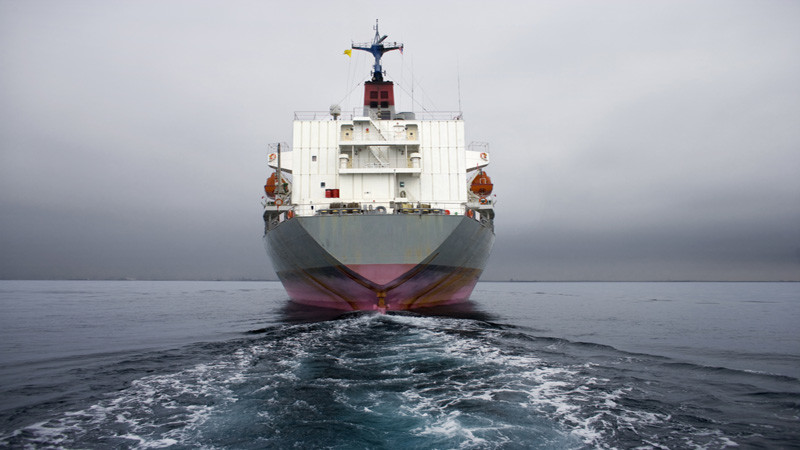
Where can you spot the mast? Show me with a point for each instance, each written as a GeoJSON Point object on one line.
{"type": "Point", "coordinates": [378, 94]}
{"type": "Point", "coordinates": [278, 170]}
{"type": "Point", "coordinates": [378, 47]}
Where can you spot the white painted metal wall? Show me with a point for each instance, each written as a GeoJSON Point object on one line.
{"type": "Point", "coordinates": [440, 180]}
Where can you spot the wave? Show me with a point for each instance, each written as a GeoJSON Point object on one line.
{"type": "Point", "coordinates": [369, 380]}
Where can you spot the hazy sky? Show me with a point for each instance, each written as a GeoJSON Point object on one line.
{"type": "Point", "coordinates": [630, 140]}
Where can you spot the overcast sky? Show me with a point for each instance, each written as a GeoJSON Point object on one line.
{"type": "Point", "coordinates": [630, 140]}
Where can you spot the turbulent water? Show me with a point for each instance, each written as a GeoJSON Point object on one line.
{"type": "Point", "coordinates": [524, 365]}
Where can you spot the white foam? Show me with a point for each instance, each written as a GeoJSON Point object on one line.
{"type": "Point", "coordinates": [450, 427]}
{"type": "Point", "coordinates": [134, 407]}
{"type": "Point", "coordinates": [472, 364]}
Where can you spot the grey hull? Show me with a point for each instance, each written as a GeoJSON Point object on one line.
{"type": "Point", "coordinates": [397, 261]}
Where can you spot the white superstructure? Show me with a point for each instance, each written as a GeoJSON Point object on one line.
{"type": "Point", "coordinates": [381, 165]}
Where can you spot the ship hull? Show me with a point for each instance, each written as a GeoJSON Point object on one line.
{"type": "Point", "coordinates": [379, 262]}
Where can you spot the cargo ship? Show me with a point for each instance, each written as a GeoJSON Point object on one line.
{"type": "Point", "coordinates": [378, 209]}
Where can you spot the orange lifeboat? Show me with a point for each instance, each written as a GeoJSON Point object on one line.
{"type": "Point", "coordinates": [271, 186]}
{"type": "Point", "coordinates": [481, 184]}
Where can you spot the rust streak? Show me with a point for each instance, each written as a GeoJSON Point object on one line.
{"type": "Point", "coordinates": [449, 279]}
{"type": "Point", "coordinates": [357, 278]}
{"type": "Point", "coordinates": [411, 273]}
{"type": "Point", "coordinates": [352, 304]}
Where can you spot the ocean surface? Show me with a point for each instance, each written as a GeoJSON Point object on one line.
{"type": "Point", "coordinates": [137, 364]}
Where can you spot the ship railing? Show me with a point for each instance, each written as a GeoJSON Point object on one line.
{"type": "Point", "coordinates": [421, 211]}
{"type": "Point", "coordinates": [340, 211]}
{"type": "Point", "coordinates": [274, 217]}
{"type": "Point", "coordinates": [359, 211]}
{"type": "Point", "coordinates": [320, 115]}
{"type": "Point", "coordinates": [438, 115]}
{"type": "Point", "coordinates": [420, 115]}
{"type": "Point", "coordinates": [477, 146]}
{"type": "Point", "coordinates": [482, 214]}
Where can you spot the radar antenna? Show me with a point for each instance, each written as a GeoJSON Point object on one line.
{"type": "Point", "coordinates": [377, 47]}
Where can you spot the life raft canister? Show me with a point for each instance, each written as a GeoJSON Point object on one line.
{"type": "Point", "coordinates": [481, 184]}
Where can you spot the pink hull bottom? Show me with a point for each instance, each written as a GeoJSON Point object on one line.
{"type": "Point", "coordinates": [380, 287]}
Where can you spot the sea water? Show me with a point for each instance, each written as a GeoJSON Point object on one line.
{"type": "Point", "coordinates": [91, 364]}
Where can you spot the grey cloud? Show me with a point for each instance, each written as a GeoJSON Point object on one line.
{"type": "Point", "coordinates": [629, 140]}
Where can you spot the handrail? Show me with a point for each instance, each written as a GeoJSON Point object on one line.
{"type": "Point", "coordinates": [424, 115]}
